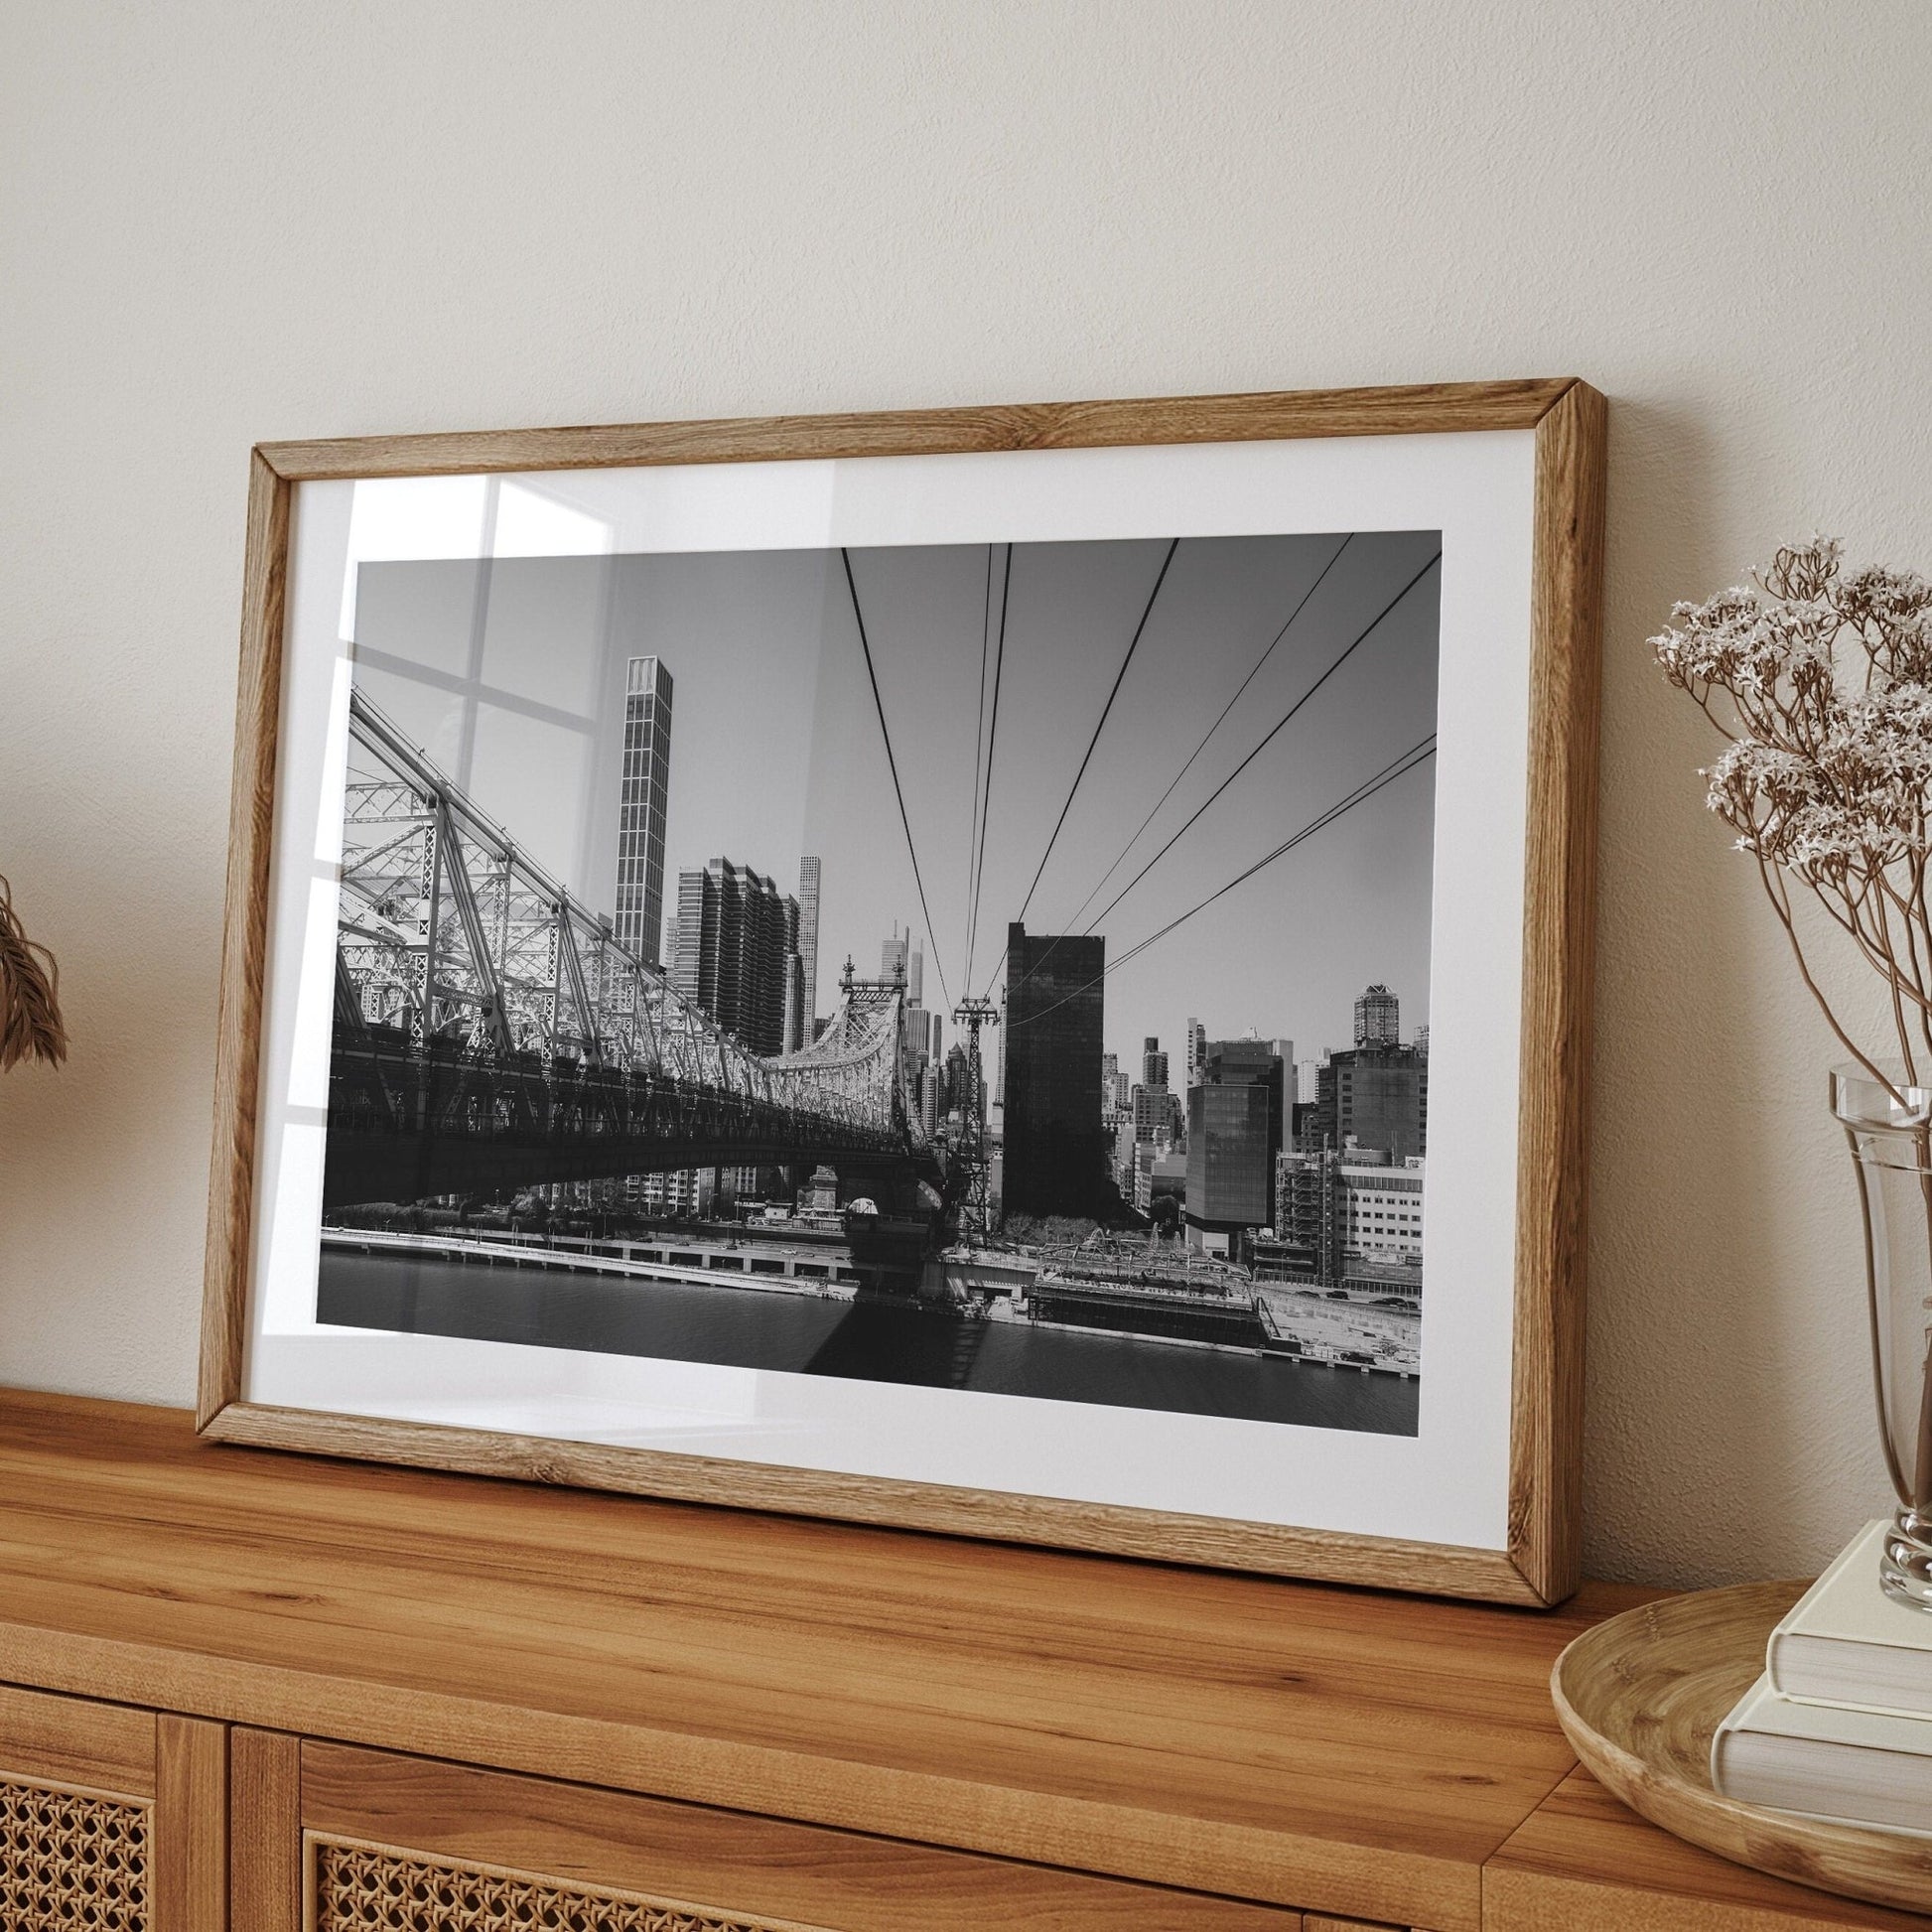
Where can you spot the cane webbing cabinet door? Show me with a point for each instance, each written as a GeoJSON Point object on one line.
{"type": "Point", "coordinates": [382, 1843]}
{"type": "Point", "coordinates": [112, 1819]}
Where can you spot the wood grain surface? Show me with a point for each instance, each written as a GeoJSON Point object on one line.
{"type": "Point", "coordinates": [1540, 1563]}
{"type": "Point", "coordinates": [264, 1831]}
{"type": "Point", "coordinates": [1417, 410]}
{"type": "Point", "coordinates": [1287, 1744]}
{"type": "Point", "coordinates": [1639, 1698]}
{"type": "Point", "coordinates": [190, 1825]}
{"type": "Point", "coordinates": [244, 942]}
{"type": "Point", "coordinates": [1270, 1549]}
{"type": "Point", "coordinates": [1559, 927]}
{"type": "Point", "coordinates": [727, 1861]}
{"type": "Point", "coordinates": [79, 1745]}
{"type": "Point", "coordinates": [1585, 1863]}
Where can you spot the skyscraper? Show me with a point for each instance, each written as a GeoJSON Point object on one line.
{"type": "Point", "coordinates": [641, 822]}
{"type": "Point", "coordinates": [1376, 1097]}
{"type": "Point", "coordinates": [1234, 1132]}
{"type": "Point", "coordinates": [1196, 1050]}
{"type": "Point", "coordinates": [1056, 1148]}
{"type": "Point", "coordinates": [1378, 1017]}
{"type": "Point", "coordinates": [1153, 1104]}
{"type": "Point", "coordinates": [737, 952]}
{"type": "Point", "coordinates": [901, 962]}
{"type": "Point", "coordinates": [795, 1029]}
{"type": "Point", "coordinates": [808, 881]}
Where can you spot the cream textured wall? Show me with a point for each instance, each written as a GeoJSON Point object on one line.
{"type": "Point", "coordinates": [222, 224]}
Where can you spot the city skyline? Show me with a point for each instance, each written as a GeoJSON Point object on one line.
{"type": "Point", "coordinates": [1145, 847]}
{"type": "Point", "coordinates": [778, 628]}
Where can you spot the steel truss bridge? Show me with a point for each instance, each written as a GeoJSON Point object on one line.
{"type": "Point", "coordinates": [491, 1034]}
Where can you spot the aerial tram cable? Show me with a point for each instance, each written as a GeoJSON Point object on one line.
{"type": "Point", "coordinates": [992, 740]}
{"type": "Point", "coordinates": [1105, 710]}
{"type": "Point", "coordinates": [1361, 638]}
{"type": "Point", "coordinates": [979, 759]}
{"type": "Point", "coordinates": [1418, 754]}
{"type": "Point", "coordinates": [1099, 885]}
{"type": "Point", "coordinates": [851, 584]}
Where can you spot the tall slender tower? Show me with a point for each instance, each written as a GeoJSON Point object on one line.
{"type": "Point", "coordinates": [809, 946]}
{"type": "Point", "coordinates": [641, 825]}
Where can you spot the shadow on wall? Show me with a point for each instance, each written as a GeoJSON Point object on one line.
{"type": "Point", "coordinates": [1725, 1313]}
{"type": "Point", "coordinates": [93, 1159]}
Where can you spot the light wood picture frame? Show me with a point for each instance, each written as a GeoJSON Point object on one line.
{"type": "Point", "coordinates": [1558, 426]}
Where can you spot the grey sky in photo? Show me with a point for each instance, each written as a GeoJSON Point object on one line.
{"type": "Point", "coordinates": [510, 674]}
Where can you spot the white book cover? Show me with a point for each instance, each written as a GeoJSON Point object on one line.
{"type": "Point", "coordinates": [1852, 1766]}
{"type": "Point", "coordinates": [1846, 1642]}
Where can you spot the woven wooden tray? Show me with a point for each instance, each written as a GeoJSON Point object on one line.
{"type": "Point", "coordinates": [1640, 1697]}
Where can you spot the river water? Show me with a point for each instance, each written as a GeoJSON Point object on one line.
{"type": "Point", "coordinates": [742, 1327]}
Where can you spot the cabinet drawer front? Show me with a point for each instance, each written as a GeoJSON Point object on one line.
{"type": "Point", "coordinates": [77, 1788]}
{"type": "Point", "coordinates": [407, 1845]}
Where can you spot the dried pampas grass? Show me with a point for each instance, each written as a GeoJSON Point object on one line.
{"type": "Point", "coordinates": [30, 983]}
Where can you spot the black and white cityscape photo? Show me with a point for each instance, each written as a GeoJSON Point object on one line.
{"type": "Point", "coordinates": [1001, 968]}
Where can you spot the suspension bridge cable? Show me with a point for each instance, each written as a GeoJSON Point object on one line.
{"type": "Point", "coordinates": [1418, 754]}
{"type": "Point", "coordinates": [879, 702]}
{"type": "Point", "coordinates": [1100, 883]}
{"type": "Point", "coordinates": [1133, 645]}
{"type": "Point", "coordinates": [1361, 638]}
{"type": "Point", "coordinates": [979, 752]}
{"type": "Point", "coordinates": [992, 740]}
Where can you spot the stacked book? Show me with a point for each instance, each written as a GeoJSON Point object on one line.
{"type": "Point", "coordinates": [1839, 1725]}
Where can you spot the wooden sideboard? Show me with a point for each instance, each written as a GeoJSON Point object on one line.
{"type": "Point", "coordinates": [271, 1692]}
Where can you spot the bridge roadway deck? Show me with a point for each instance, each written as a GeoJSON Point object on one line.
{"type": "Point", "coordinates": [416, 1126]}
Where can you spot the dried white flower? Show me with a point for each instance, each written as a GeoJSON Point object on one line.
{"type": "Point", "coordinates": [1823, 685]}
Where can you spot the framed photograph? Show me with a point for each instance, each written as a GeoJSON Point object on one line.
{"type": "Point", "coordinates": [1017, 971]}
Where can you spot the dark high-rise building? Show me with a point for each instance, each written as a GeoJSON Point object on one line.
{"type": "Point", "coordinates": [1375, 1096]}
{"type": "Point", "coordinates": [1234, 1132]}
{"type": "Point", "coordinates": [1154, 1063]}
{"type": "Point", "coordinates": [808, 883]}
{"type": "Point", "coordinates": [640, 823]}
{"type": "Point", "coordinates": [1056, 1147]}
{"type": "Point", "coordinates": [794, 1030]}
{"type": "Point", "coordinates": [1378, 1017]}
{"type": "Point", "coordinates": [737, 952]}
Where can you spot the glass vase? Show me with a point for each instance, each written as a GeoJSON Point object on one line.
{"type": "Point", "coordinates": [1888, 1123]}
